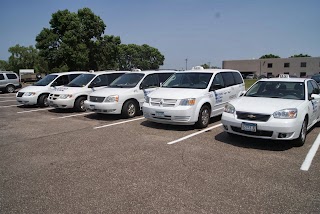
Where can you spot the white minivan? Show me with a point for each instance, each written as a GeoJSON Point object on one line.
{"type": "Point", "coordinates": [37, 94]}
{"type": "Point", "coordinates": [127, 93]}
{"type": "Point", "coordinates": [193, 97]}
{"type": "Point", "coordinates": [75, 92]}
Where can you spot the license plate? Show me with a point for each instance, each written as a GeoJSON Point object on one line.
{"type": "Point", "coordinates": [159, 114]}
{"type": "Point", "coordinates": [250, 127]}
{"type": "Point", "coordinates": [91, 107]}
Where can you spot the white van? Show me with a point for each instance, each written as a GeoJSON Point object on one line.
{"type": "Point", "coordinates": [37, 94]}
{"type": "Point", "coordinates": [126, 94]}
{"type": "Point", "coordinates": [75, 92]}
{"type": "Point", "coordinates": [192, 97]}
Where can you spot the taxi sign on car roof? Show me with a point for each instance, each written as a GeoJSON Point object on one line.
{"type": "Point", "coordinates": [284, 76]}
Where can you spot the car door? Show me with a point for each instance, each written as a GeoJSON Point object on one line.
{"type": "Point", "coordinates": [313, 105]}
{"type": "Point", "coordinates": [218, 93]}
{"type": "Point", "coordinates": [2, 81]}
{"type": "Point", "coordinates": [316, 99]}
{"type": "Point", "coordinates": [149, 84]}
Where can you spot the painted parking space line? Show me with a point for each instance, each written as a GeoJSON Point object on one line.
{"type": "Point", "coordinates": [113, 124]}
{"type": "Point", "coordinates": [194, 134]}
{"type": "Point", "coordinates": [74, 115]}
{"type": "Point", "coordinates": [42, 109]}
{"type": "Point", "coordinates": [10, 106]}
{"type": "Point", "coordinates": [312, 152]}
{"type": "Point", "coordinates": [3, 101]}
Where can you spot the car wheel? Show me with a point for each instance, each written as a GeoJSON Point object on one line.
{"type": "Point", "coordinates": [129, 109]}
{"type": "Point", "coordinates": [204, 117]}
{"type": "Point", "coordinates": [43, 100]}
{"type": "Point", "coordinates": [303, 133]}
{"type": "Point", "coordinates": [79, 104]}
{"type": "Point", "coordinates": [10, 88]}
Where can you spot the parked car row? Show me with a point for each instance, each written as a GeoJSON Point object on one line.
{"type": "Point", "coordinates": [277, 108]}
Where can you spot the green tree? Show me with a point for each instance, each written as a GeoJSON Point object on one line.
{"type": "Point", "coordinates": [300, 55]}
{"type": "Point", "coordinates": [71, 40]}
{"type": "Point", "coordinates": [3, 65]}
{"type": "Point", "coordinates": [269, 56]}
{"type": "Point", "coordinates": [143, 57]}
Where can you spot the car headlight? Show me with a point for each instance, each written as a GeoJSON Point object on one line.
{"type": "Point", "coordinates": [289, 113]}
{"type": "Point", "coordinates": [112, 98]}
{"type": "Point", "coordinates": [188, 102]}
{"type": "Point", "coordinates": [228, 108]}
{"type": "Point", "coordinates": [147, 99]}
{"type": "Point", "coordinates": [65, 96]}
{"type": "Point", "coordinates": [28, 94]}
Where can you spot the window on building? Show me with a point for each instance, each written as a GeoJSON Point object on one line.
{"type": "Point", "coordinates": [269, 65]}
{"type": "Point", "coordinates": [287, 65]}
{"type": "Point", "coordinates": [303, 74]}
{"type": "Point", "coordinates": [303, 64]}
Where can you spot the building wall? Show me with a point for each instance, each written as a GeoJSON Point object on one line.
{"type": "Point", "coordinates": [276, 66]}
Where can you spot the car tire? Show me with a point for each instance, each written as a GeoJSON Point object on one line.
{"type": "Point", "coordinates": [204, 117]}
{"type": "Point", "coordinates": [129, 109]}
{"type": "Point", "coordinates": [303, 133]}
{"type": "Point", "coordinates": [10, 89]}
{"type": "Point", "coordinates": [43, 100]}
{"type": "Point", "coordinates": [79, 104]}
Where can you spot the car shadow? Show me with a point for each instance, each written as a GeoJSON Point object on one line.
{"type": "Point", "coordinates": [28, 106]}
{"type": "Point", "coordinates": [104, 117]}
{"type": "Point", "coordinates": [170, 127]}
{"type": "Point", "coordinates": [254, 143]}
{"type": "Point", "coordinates": [59, 110]}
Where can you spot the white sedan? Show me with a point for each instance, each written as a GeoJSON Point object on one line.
{"type": "Point", "coordinates": [276, 108]}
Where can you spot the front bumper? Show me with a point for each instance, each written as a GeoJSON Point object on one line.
{"type": "Point", "coordinates": [180, 115]}
{"type": "Point", "coordinates": [30, 100]}
{"type": "Point", "coordinates": [104, 108]}
{"type": "Point", "coordinates": [275, 129]}
{"type": "Point", "coordinates": [61, 103]}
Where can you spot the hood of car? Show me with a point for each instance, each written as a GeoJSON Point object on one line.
{"type": "Point", "coordinates": [176, 93]}
{"type": "Point", "coordinates": [33, 88]}
{"type": "Point", "coordinates": [264, 105]}
{"type": "Point", "coordinates": [111, 91]}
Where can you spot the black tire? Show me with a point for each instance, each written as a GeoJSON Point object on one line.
{"type": "Point", "coordinates": [43, 100]}
{"type": "Point", "coordinates": [303, 133]}
{"type": "Point", "coordinates": [79, 104]}
{"type": "Point", "coordinates": [129, 109]}
{"type": "Point", "coordinates": [10, 88]}
{"type": "Point", "coordinates": [204, 117]}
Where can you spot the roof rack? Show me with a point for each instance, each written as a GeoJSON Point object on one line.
{"type": "Point", "coordinates": [6, 71]}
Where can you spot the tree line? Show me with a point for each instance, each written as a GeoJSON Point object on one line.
{"type": "Point", "coordinates": [76, 41]}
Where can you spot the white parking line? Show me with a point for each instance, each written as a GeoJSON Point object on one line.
{"type": "Point", "coordinates": [9, 106]}
{"type": "Point", "coordinates": [42, 109]}
{"type": "Point", "coordinates": [113, 124]}
{"type": "Point", "coordinates": [312, 152]}
{"type": "Point", "coordinates": [194, 134]}
{"type": "Point", "coordinates": [3, 101]}
{"type": "Point", "coordinates": [74, 115]}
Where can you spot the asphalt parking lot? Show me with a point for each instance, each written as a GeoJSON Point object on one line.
{"type": "Point", "coordinates": [68, 162]}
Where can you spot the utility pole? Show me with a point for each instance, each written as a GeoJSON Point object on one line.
{"type": "Point", "coordinates": [186, 63]}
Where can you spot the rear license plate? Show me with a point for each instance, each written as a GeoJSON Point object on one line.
{"type": "Point", "coordinates": [250, 127]}
{"type": "Point", "coordinates": [91, 107]}
{"type": "Point", "coordinates": [159, 114]}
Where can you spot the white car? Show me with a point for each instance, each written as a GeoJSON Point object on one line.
{"type": "Point", "coordinates": [126, 94]}
{"type": "Point", "coordinates": [75, 92]}
{"type": "Point", "coordinates": [193, 97]}
{"type": "Point", "coordinates": [37, 94]}
{"type": "Point", "coordinates": [276, 108]}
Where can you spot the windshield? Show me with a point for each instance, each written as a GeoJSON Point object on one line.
{"type": "Point", "coordinates": [282, 90]}
{"type": "Point", "coordinates": [81, 80]}
{"type": "Point", "coordinates": [46, 80]}
{"type": "Point", "coordinates": [194, 80]}
{"type": "Point", "coordinates": [129, 80]}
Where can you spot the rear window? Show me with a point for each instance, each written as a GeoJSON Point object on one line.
{"type": "Point", "coordinates": [12, 76]}
{"type": "Point", "coordinates": [1, 77]}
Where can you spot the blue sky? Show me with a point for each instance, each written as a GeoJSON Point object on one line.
{"type": "Point", "coordinates": [203, 31]}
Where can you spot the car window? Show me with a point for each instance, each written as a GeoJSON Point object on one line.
{"type": "Point", "coordinates": [62, 80]}
{"type": "Point", "coordinates": [217, 82]}
{"type": "Point", "coordinates": [46, 80]}
{"type": "Point", "coordinates": [128, 80]}
{"type": "Point", "coordinates": [150, 81]}
{"type": "Point", "coordinates": [81, 80]}
{"type": "Point", "coordinates": [164, 76]}
{"type": "Point", "coordinates": [192, 80]}
{"type": "Point", "coordinates": [72, 76]}
{"type": "Point", "coordinates": [12, 76]}
{"type": "Point", "coordinates": [1, 77]}
{"type": "Point", "coordinates": [114, 76]}
{"type": "Point", "coordinates": [237, 78]}
{"type": "Point", "coordinates": [228, 79]}
{"type": "Point", "coordinates": [101, 80]}
{"type": "Point", "coordinates": [315, 87]}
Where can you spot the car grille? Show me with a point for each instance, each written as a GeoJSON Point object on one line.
{"type": "Point", "coordinates": [252, 116]}
{"type": "Point", "coordinates": [96, 99]}
{"type": "Point", "coordinates": [258, 133]}
{"type": "Point", "coordinates": [163, 102]}
{"type": "Point", "coordinates": [20, 94]}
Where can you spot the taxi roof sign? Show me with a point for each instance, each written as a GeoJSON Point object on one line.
{"type": "Point", "coordinates": [284, 76]}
